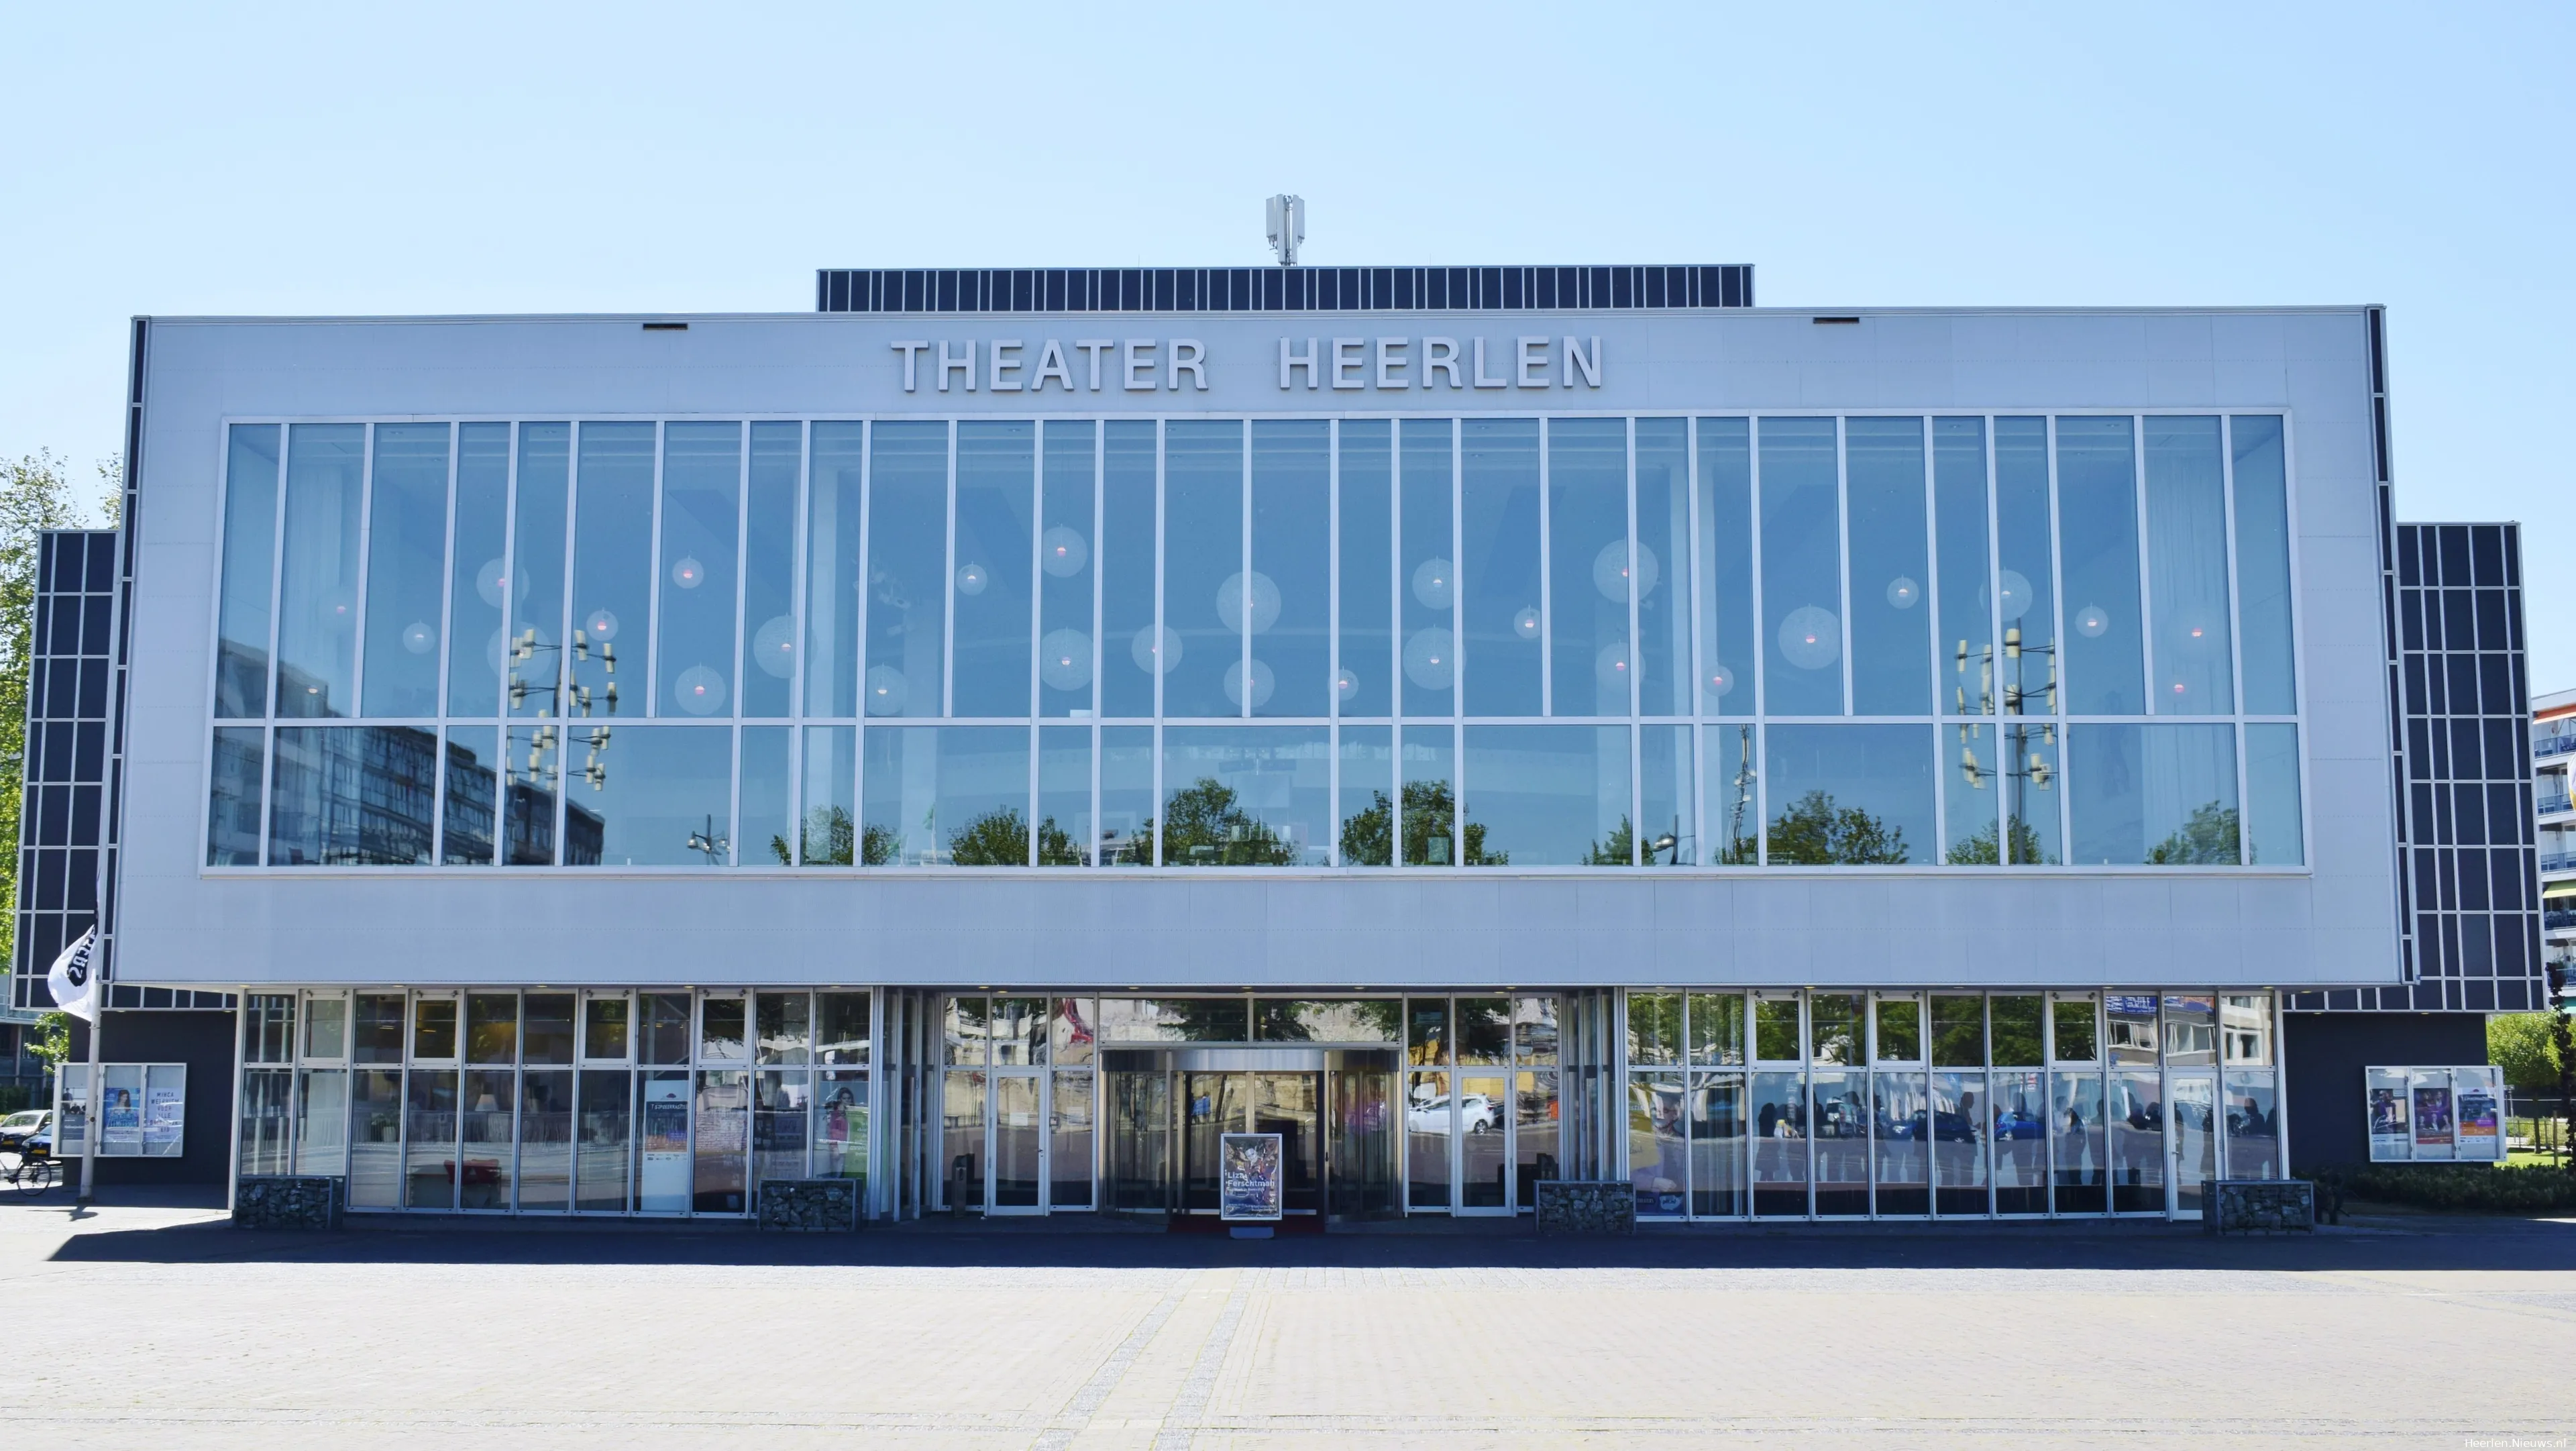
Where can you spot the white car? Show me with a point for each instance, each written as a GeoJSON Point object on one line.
{"type": "Point", "coordinates": [1477, 1114]}
{"type": "Point", "coordinates": [18, 1127]}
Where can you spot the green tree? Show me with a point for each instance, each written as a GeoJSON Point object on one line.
{"type": "Point", "coordinates": [1979, 850]}
{"type": "Point", "coordinates": [1430, 813]}
{"type": "Point", "coordinates": [1000, 838]}
{"type": "Point", "coordinates": [1812, 831]}
{"type": "Point", "coordinates": [830, 836]}
{"type": "Point", "coordinates": [1618, 850]}
{"type": "Point", "coordinates": [2522, 1044]}
{"type": "Point", "coordinates": [2208, 838]}
{"type": "Point", "coordinates": [35, 495]}
{"type": "Point", "coordinates": [1203, 827]}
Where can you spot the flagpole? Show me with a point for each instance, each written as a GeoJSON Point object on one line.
{"type": "Point", "coordinates": [93, 1115]}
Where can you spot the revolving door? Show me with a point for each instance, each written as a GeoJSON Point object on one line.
{"type": "Point", "coordinates": [1165, 1111]}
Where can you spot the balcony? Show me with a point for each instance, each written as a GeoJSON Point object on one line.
{"type": "Point", "coordinates": [2556, 805]}
{"type": "Point", "coordinates": [2558, 919]}
{"type": "Point", "coordinates": [2562, 862]}
{"type": "Point", "coordinates": [2553, 744]}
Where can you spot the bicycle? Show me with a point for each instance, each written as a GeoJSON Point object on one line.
{"type": "Point", "coordinates": [33, 1173]}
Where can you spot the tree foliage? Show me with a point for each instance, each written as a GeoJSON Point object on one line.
{"type": "Point", "coordinates": [1000, 838]}
{"type": "Point", "coordinates": [1204, 827]}
{"type": "Point", "coordinates": [1980, 849]}
{"type": "Point", "coordinates": [2208, 838]}
{"type": "Point", "coordinates": [1430, 814]}
{"type": "Point", "coordinates": [1812, 831]}
{"type": "Point", "coordinates": [2524, 1046]}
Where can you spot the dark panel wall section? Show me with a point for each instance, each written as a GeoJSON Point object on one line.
{"type": "Point", "coordinates": [1283, 289]}
{"type": "Point", "coordinates": [203, 1041]}
{"type": "Point", "coordinates": [2468, 841]}
{"type": "Point", "coordinates": [2326, 1053]}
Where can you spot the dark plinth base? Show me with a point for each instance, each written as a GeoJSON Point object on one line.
{"type": "Point", "coordinates": [287, 1201]}
{"type": "Point", "coordinates": [809, 1206]}
{"type": "Point", "coordinates": [2247, 1206]}
{"type": "Point", "coordinates": [1571, 1206]}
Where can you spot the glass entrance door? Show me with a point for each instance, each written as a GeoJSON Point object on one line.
{"type": "Point", "coordinates": [1018, 1144]}
{"type": "Point", "coordinates": [2193, 1101]}
{"type": "Point", "coordinates": [1361, 1170]}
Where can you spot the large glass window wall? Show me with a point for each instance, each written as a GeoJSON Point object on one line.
{"type": "Point", "coordinates": [1921, 641]}
{"type": "Point", "coordinates": [652, 1102]}
{"type": "Point", "coordinates": [1945, 1103]}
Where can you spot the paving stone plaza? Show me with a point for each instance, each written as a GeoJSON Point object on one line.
{"type": "Point", "coordinates": [2392, 1333]}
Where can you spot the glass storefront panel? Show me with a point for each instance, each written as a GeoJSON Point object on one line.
{"type": "Point", "coordinates": [487, 1159]}
{"type": "Point", "coordinates": [1901, 1128]}
{"type": "Point", "coordinates": [602, 1153]}
{"type": "Point", "coordinates": [545, 1140]}
{"type": "Point", "coordinates": [1536, 1142]}
{"type": "Point", "coordinates": [1726, 623]}
{"type": "Point", "coordinates": [2020, 1126]}
{"type": "Point", "coordinates": [841, 1127]}
{"type": "Point", "coordinates": [322, 1124]}
{"type": "Point", "coordinates": [1801, 569]}
{"type": "Point", "coordinates": [2192, 1099]}
{"type": "Point", "coordinates": [1780, 1147]}
{"type": "Point", "coordinates": [2253, 1126]}
{"type": "Point", "coordinates": [1069, 1149]}
{"type": "Point", "coordinates": [1958, 1126]}
{"type": "Point", "coordinates": [1658, 1154]}
{"type": "Point", "coordinates": [781, 1116]}
{"type": "Point", "coordinates": [1484, 1123]}
{"type": "Point", "coordinates": [2079, 1145]}
{"type": "Point", "coordinates": [1427, 1130]}
{"type": "Point", "coordinates": [1841, 1134]}
{"type": "Point", "coordinates": [429, 1138]}
{"type": "Point", "coordinates": [961, 1125]}
{"type": "Point", "coordinates": [2136, 1119]}
{"type": "Point", "coordinates": [1884, 516]}
{"type": "Point", "coordinates": [375, 1138]}
{"type": "Point", "coordinates": [1717, 1145]}
{"type": "Point", "coordinates": [722, 1138]}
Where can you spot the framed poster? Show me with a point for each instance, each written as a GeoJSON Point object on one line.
{"type": "Point", "coordinates": [2392, 1131]}
{"type": "Point", "coordinates": [2476, 1097]}
{"type": "Point", "coordinates": [1252, 1187]}
{"type": "Point", "coordinates": [2432, 1104]}
{"type": "Point", "coordinates": [165, 1108]}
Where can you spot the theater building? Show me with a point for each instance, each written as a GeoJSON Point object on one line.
{"type": "Point", "coordinates": [992, 735]}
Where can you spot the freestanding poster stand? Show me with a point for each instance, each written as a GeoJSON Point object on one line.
{"type": "Point", "coordinates": [2435, 1114]}
{"type": "Point", "coordinates": [1251, 1194]}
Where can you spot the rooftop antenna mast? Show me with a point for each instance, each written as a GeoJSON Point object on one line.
{"type": "Point", "coordinates": [1287, 216]}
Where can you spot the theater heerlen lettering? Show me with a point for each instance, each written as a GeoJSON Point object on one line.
{"type": "Point", "coordinates": [988, 739]}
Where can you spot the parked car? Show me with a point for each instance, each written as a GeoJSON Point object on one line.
{"type": "Point", "coordinates": [17, 1127]}
{"type": "Point", "coordinates": [1477, 1114]}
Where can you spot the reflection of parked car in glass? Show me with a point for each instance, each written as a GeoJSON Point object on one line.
{"type": "Point", "coordinates": [1477, 1114]}
{"type": "Point", "coordinates": [2013, 1123]}
{"type": "Point", "coordinates": [15, 1129]}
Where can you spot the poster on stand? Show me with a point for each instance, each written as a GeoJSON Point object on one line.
{"type": "Point", "coordinates": [2477, 1097]}
{"type": "Point", "coordinates": [2432, 1106]}
{"type": "Point", "coordinates": [1252, 1189]}
{"type": "Point", "coordinates": [2392, 1133]}
{"type": "Point", "coordinates": [165, 1115]}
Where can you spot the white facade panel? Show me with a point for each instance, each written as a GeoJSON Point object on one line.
{"type": "Point", "coordinates": [2332, 922]}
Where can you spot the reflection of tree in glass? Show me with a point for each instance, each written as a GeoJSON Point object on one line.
{"type": "Point", "coordinates": [1000, 838]}
{"type": "Point", "coordinates": [1373, 1020]}
{"type": "Point", "coordinates": [2210, 836]}
{"type": "Point", "coordinates": [829, 837]}
{"type": "Point", "coordinates": [1811, 832]}
{"type": "Point", "coordinates": [1429, 812]}
{"type": "Point", "coordinates": [1203, 827]}
{"type": "Point", "coordinates": [1619, 851]}
{"type": "Point", "coordinates": [1979, 850]}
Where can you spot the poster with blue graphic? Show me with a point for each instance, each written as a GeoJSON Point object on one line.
{"type": "Point", "coordinates": [1252, 1187]}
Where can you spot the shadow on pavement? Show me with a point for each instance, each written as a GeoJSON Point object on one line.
{"type": "Point", "coordinates": [2411, 1242]}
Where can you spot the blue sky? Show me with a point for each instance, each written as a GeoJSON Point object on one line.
{"type": "Point", "coordinates": [247, 159]}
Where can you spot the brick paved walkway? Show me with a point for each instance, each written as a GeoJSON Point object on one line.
{"type": "Point", "coordinates": [639, 1340]}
